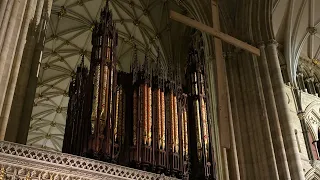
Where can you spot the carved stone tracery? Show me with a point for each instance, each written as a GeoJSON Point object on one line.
{"type": "Point", "coordinates": [28, 163]}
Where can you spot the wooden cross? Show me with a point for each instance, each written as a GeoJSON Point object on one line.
{"type": "Point", "coordinates": [223, 99]}
{"type": "Point", "coordinates": [215, 32]}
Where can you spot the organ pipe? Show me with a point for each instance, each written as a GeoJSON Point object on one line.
{"type": "Point", "coordinates": [163, 124]}
{"type": "Point", "coordinates": [158, 118]}
{"type": "Point", "coordinates": [142, 152]}
{"type": "Point", "coordinates": [201, 152]}
{"type": "Point", "coordinates": [184, 125]}
{"type": "Point", "coordinates": [149, 125]}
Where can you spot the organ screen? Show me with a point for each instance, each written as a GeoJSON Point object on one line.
{"type": "Point", "coordinates": [145, 119]}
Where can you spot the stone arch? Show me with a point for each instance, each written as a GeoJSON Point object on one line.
{"type": "Point", "coordinates": [312, 115]}
{"type": "Point", "coordinates": [312, 119]}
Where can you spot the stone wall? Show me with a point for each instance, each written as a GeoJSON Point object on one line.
{"type": "Point", "coordinates": [311, 107]}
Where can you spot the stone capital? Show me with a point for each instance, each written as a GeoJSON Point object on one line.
{"type": "Point", "coordinates": [272, 42]}
{"type": "Point", "coordinates": [209, 58]}
{"type": "Point", "coordinates": [301, 115]}
{"type": "Point", "coordinates": [312, 30]}
{"type": "Point", "coordinates": [261, 44]}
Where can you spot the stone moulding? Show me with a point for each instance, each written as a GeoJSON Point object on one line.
{"type": "Point", "coordinates": [28, 163]}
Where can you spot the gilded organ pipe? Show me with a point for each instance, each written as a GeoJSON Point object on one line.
{"type": "Point", "coordinates": [95, 101]}
{"type": "Point", "coordinates": [172, 120]}
{"type": "Point", "coordinates": [144, 112]}
{"type": "Point", "coordinates": [205, 127]}
{"type": "Point", "coordinates": [117, 119]}
{"type": "Point", "coordinates": [158, 119]}
{"type": "Point", "coordinates": [149, 107]}
{"type": "Point", "coordinates": [121, 127]}
{"type": "Point", "coordinates": [176, 125]}
{"type": "Point", "coordinates": [157, 116]}
{"type": "Point", "coordinates": [135, 117]}
{"type": "Point", "coordinates": [201, 151]}
{"type": "Point", "coordinates": [184, 125]}
{"type": "Point", "coordinates": [163, 119]}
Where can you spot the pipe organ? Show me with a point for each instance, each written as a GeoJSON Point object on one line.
{"type": "Point", "coordinates": [141, 150]}
{"type": "Point", "coordinates": [159, 138]}
{"type": "Point", "coordinates": [201, 151]}
{"type": "Point", "coordinates": [144, 119]}
{"type": "Point", "coordinates": [75, 123]}
{"type": "Point", "coordinates": [172, 124]}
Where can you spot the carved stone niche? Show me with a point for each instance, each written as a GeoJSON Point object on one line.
{"type": "Point", "coordinates": [29, 163]}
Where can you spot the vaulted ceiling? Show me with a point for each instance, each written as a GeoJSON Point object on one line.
{"type": "Point", "coordinates": [296, 24]}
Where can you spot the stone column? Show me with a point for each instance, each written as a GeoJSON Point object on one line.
{"type": "Point", "coordinates": [301, 83]}
{"type": "Point", "coordinates": [3, 5]}
{"type": "Point", "coordinates": [8, 46]}
{"type": "Point", "coordinates": [15, 69]}
{"type": "Point", "coordinates": [29, 93]}
{"type": "Point", "coordinates": [245, 125]}
{"type": "Point", "coordinates": [225, 163]}
{"type": "Point", "coordinates": [231, 65]}
{"type": "Point", "coordinates": [6, 16]}
{"type": "Point", "coordinates": [213, 120]}
{"type": "Point", "coordinates": [317, 86]}
{"type": "Point", "coordinates": [310, 85]}
{"type": "Point", "coordinates": [276, 151]}
{"type": "Point", "coordinates": [259, 116]}
{"type": "Point", "coordinates": [251, 107]}
{"type": "Point", "coordinates": [292, 151]}
{"type": "Point", "coordinates": [9, 49]}
{"type": "Point", "coordinates": [27, 78]}
{"type": "Point", "coordinates": [232, 155]}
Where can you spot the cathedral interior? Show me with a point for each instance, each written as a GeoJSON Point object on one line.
{"type": "Point", "coordinates": [160, 89]}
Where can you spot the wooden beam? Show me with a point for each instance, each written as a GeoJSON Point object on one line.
{"type": "Point", "coordinates": [221, 84]}
{"type": "Point", "coordinates": [224, 37]}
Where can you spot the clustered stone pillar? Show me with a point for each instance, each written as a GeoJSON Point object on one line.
{"type": "Point", "coordinates": [277, 155]}
{"type": "Point", "coordinates": [291, 147]}
{"type": "Point", "coordinates": [213, 122]}
{"type": "Point", "coordinates": [265, 150]}
{"type": "Point", "coordinates": [230, 61]}
{"type": "Point", "coordinates": [18, 18]}
{"type": "Point", "coordinates": [260, 110]}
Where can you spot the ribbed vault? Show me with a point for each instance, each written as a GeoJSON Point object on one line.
{"type": "Point", "coordinates": [296, 24]}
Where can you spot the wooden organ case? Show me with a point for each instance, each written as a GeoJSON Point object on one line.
{"type": "Point", "coordinates": [98, 94]}
{"type": "Point", "coordinates": [158, 110]}
{"type": "Point", "coordinates": [141, 154]}
{"type": "Point", "coordinates": [201, 155]}
{"type": "Point", "coordinates": [142, 119]}
{"type": "Point", "coordinates": [76, 122]}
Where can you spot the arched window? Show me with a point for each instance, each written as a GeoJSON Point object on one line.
{"type": "Point", "coordinates": [314, 146]}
